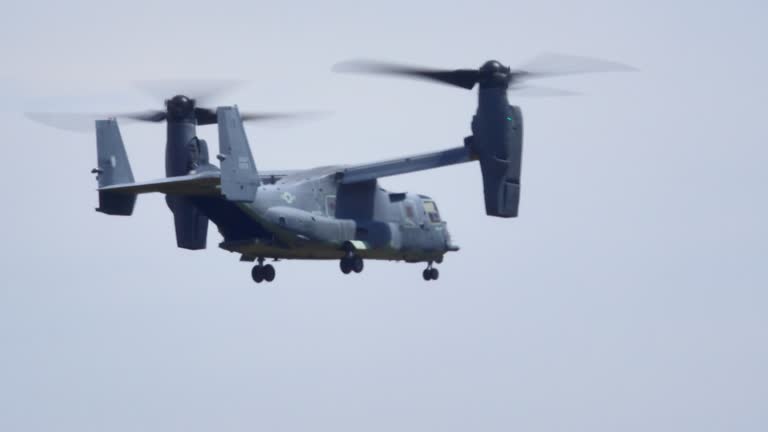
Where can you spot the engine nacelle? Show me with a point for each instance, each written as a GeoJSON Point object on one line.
{"type": "Point", "coordinates": [183, 153]}
{"type": "Point", "coordinates": [497, 142]}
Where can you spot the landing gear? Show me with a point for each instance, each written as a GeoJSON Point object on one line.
{"type": "Point", "coordinates": [345, 265]}
{"type": "Point", "coordinates": [269, 273]}
{"type": "Point", "coordinates": [351, 263]}
{"type": "Point", "coordinates": [357, 264]}
{"type": "Point", "coordinates": [261, 272]}
{"type": "Point", "coordinates": [430, 273]}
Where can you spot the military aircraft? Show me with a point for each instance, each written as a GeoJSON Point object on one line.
{"type": "Point", "coordinates": [327, 213]}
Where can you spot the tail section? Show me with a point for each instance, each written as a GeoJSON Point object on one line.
{"type": "Point", "coordinates": [189, 174]}
{"type": "Point", "coordinates": [239, 177]}
{"type": "Point", "coordinates": [112, 168]}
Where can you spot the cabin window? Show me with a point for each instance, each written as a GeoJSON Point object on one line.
{"type": "Point", "coordinates": [431, 209]}
{"type": "Point", "coordinates": [396, 197]}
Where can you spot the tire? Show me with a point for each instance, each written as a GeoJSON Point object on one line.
{"type": "Point", "coordinates": [426, 274]}
{"type": "Point", "coordinates": [345, 266]}
{"type": "Point", "coordinates": [269, 273]}
{"type": "Point", "coordinates": [357, 264]}
{"type": "Point", "coordinates": [257, 274]}
{"type": "Point", "coordinates": [434, 274]}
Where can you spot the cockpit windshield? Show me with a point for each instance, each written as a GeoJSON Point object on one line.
{"type": "Point", "coordinates": [431, 209]}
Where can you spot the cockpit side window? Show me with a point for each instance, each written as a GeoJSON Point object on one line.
{"type": "Point", "coordinates": [409, 211]}
{"type": "Point", "coordinates": [410, 214]}
{"type": "Point", "coordinates": [330, 205]}
{"type": "Point", "coordinates": [430, 208]}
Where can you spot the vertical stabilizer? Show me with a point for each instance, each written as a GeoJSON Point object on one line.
{"type": "Point", "coordinates": [239, 177]}
{"type": "Point", "coordinates": [112, 168]}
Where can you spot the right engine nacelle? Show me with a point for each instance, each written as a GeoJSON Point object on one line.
{"type": "Point", "coordinates": [497, 142]}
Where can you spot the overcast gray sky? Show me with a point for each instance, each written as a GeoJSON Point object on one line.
{"type": "Point", "coordinates": [629, 295]}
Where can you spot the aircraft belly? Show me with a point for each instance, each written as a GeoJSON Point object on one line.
{"type": "Point", "coordinates": [256, 248]}
{"type": "Point", "coordinates": [232, 221]}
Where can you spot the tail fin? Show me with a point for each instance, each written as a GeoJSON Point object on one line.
{"type": "Point", "coordinates": [239, 177]}
{"type": "Point", "coordinates": [113, 168]}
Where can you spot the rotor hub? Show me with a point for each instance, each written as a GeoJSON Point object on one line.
{"type": "Point", "coordinates": [180, 106]}
{"type": "Point", "coordinates": [494, 74]}
{"type": "Point", "coordinates": [493, 66]}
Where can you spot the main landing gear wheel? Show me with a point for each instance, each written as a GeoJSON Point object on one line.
{"type": "Point", "coordinates": [357, 264]}
{"type": "Point", "coordinates": [257, 274]}
{"type": "Point", "coordinates": [350, 264]}
{"type": "Point", "coordinates": [261, 272]}
{"type": "Point", "coordinates": [269, 273]}
{"type": "Point", "coordinates": [345, 266]}
{"type": "Point", "coordinates": [430, 273]}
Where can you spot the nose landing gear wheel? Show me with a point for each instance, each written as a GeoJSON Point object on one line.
{"type": "Point", "coordinates": [261, 272]}
{"type": "Point", "coordinates": [430, 273]}
{"type": "Point", "coordinates": [434, 274]}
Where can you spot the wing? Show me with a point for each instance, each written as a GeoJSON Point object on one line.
{"type": "Point", "coordinates": [209, 182]}
{"type": "Point", "coordinates": [359, 173]}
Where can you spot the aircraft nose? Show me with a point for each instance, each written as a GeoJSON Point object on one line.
{"type": "Point", "coordinates": [449, 245]}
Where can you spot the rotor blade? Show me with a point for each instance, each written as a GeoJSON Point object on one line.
{"type": "Point", "coordinates": [264, 116]}
{"type": "Point", "coordinates": [283, 118]}
{"type": "Point", "coordinates": [154, 116]}
{"type": "Point", "coordinates": [537, 91]}
{"type": "Point", "coordinates": [551, 64]}
{"type": "Point", "coordinates": [204, 92]}
{"type": "Point", "coordinates": [69, 122]}
{"type": "Point", "coordinates": [85, 122]}
{"type": "Point", "coordinates": [464, 78]}
{"type": "Point", "coordinates": [206, 116]}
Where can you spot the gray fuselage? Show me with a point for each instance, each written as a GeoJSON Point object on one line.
{"type": "Point", "coordinates": [311, 215]}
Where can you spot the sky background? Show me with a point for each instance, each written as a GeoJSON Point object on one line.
{"type": "Point", "coordinates": [629, 295]}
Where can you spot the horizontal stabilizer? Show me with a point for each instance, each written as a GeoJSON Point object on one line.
{"type": "Point", "coordinates": [204, 183]}
{"type": "Point", "coordinates": [199, 184]}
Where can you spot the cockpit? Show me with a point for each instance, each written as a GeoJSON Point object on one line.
{"type": "Point", "coordinates": [430, 208]}
{"type": "Point", "coordinates": [420, 210]}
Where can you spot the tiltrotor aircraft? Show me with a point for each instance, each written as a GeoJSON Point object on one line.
{"type": "Point", "coordinates": [330, 213]}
